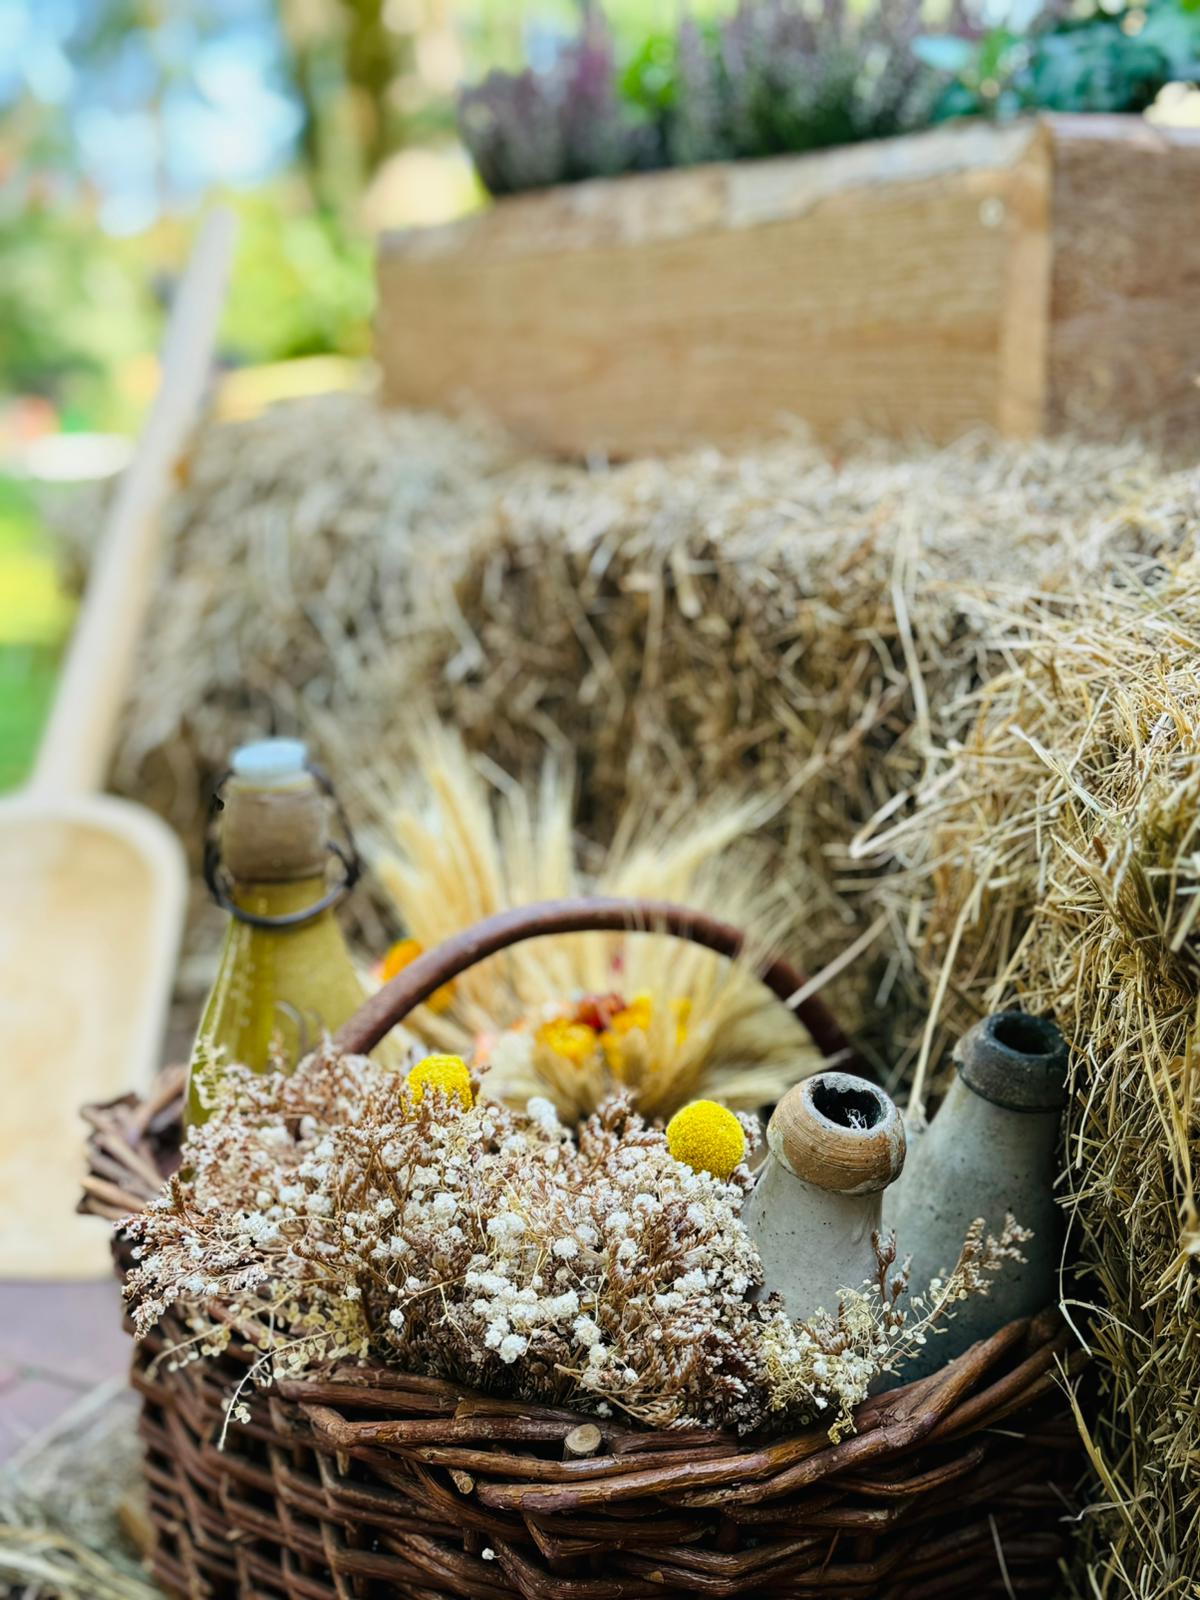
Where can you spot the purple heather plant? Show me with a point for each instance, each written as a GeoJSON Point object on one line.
{"type": "Point", "coordinates": [775, 76]}
{"type": "Point", "coordinates": [529, 129]}
{"type": "Point", "coordinates": [799, 80]}
{"type": "Point", "coordinates": [696, 126]}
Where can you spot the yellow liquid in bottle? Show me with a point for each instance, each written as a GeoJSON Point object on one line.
{"type": "Point", "coordinates": [278, 991]}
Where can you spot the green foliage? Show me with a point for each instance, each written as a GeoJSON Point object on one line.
{"type": "Point", "coordinates": [27, 678]}
{"type": "Point", "coordinates": [301, 285]}
{"type": "Point", "coordinates": [70, 311]}
{"type": "Point", "coordinates": [1102, 62]}
{"type": "Point", "coordinates": [34, 617]}
{"type": "Point", "coordinates": [651, 78]}
{"type": "Point", "coordinates": [78, 309]}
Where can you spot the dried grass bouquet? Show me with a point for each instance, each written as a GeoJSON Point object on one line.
{"type": "Point", "coordinates": [576, 1017]}
{"type": "Point", "coordinates": [349, 1213]}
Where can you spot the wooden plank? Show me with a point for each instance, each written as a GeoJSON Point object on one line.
{"type": "Point", "coordinates": [1035, 278]}
{"type": "Point", "coordinates": [650, 207]}
{"type": "Point", "coordinates": [1124, 335]}
{"type": "Point", "coordinates": [1022, 388]}
{"type": "Point", "coordinates": [861, 287]}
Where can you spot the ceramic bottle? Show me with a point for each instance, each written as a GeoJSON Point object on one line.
{"type": "Point", "coordinates": [989, 1150]}
{"type": "Point", "coordinates": [285, 975]}
{"type": "Point", "coordinates": [834, 1144]}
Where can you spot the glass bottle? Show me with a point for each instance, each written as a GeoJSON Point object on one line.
{"type": "Point", "coordinates": [834, 1144]}
{"type": "Point", "coordinates": [278, 988]}
{"type": "Point", "coordinates": [988, 1152]}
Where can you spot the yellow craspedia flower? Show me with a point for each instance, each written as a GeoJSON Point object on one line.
{"type": "Point", "coordinates": [706, 1137]}
{"type": "Point", "coordinates": [573, 1040]}
{"type": "Point", "coordinates": [447, 1073]}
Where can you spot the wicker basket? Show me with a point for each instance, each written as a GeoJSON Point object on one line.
{"type": "Point", "coordinates": [372, 1483]}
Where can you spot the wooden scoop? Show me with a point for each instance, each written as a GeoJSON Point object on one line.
{"type": "Point", "coordinates": [92, 888]}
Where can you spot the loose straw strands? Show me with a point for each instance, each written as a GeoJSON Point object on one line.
{"type": "Point", "coordinates": [1069, 870]}
{"type": "Point", "coordinates": [61, 1502]}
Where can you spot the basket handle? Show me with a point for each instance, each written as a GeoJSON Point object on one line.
{"type": "Point", "coordinates": [393, 1003]}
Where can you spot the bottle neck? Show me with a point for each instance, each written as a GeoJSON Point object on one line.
{"type": "Point", "coordinates": [966, 1113]}
{"type": "Point", "coordinates": [1017, 1061]}
{"type": "Point", "coordinates": [274, 835]}
{"type": "Point", "coordinates": [282, 898]}
{"type": "Point", "coordinates": [838, 1132]}
{"type": "Point", "coordinates": [817, 1203]}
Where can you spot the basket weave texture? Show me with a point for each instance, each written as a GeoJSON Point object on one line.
{"type": "Point", "coordinates": [372, 1483]}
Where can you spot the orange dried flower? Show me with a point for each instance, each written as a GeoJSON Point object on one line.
{"type": "Point", "coordinates": [402, 954]}
{"type": "Point", "coordinates": [638, 1015]}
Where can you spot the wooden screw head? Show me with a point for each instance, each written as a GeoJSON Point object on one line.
{"type": "Point", "coordinates": [838, 1132]}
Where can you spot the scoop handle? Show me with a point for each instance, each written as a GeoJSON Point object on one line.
{"type": "Point", "coordinates": [422, 977]}
{"type": "Point", "coordinates": [77, 742]}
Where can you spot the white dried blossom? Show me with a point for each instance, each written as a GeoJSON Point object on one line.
{"type": "Point", "coordinates": [543, 1113]}
{"type": "Point", "coordinates": [345, 1222]}
{"type": "Point", "coordinates": [507, 1227]}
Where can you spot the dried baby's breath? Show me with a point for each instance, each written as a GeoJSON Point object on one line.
{"type": "Point", "coordinates": [337, 1216]}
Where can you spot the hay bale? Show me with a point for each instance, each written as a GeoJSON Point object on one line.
{"type": "Point", "coordinates": [807, 626]}
{"type": "Point", "coordinates": [776, 618]}
{"type": "Point", "coordinates": [284, 599]}
{"type": "Point", "coordinates": [1065, 834]}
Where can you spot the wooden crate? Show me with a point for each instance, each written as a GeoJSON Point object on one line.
{"type": "Point", "coordinates": [1033, 278]}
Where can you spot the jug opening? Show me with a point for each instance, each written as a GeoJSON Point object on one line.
{"type": "Point", "coordinates": [846, 1105]}
{"type": "Point", "coordinates": [1015, 1061]}
{"type": "Point", "coordinates": [1025, 1035]}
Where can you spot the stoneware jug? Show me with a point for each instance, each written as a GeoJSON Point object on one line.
{"type": "Point", "coordinates": [989, 1150]}
{"type": "Point", "coordinates": [834, 1144]}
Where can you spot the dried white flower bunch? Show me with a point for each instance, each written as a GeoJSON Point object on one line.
{"type": "Point", "coordinates": [344, 1213]}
